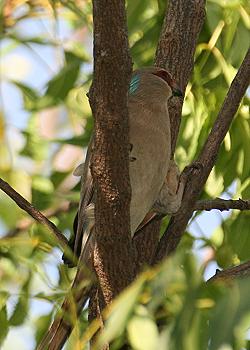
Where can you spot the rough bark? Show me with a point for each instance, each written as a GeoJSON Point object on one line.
{"type": "Point", "coordinates": [108, 97]}
{"type": "Point", "coordinates": [145, 242]}
{"type": "Point", "coordinates": [176, 47]}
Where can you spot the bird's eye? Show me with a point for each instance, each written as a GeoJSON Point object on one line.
{"type": "Point", "coordinates": [163, 74]}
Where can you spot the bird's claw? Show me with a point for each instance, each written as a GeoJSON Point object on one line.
{"type": "Point", "coordinates": [193, 169]}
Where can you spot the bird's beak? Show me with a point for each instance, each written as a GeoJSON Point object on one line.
{"type": "Point", "coordinates": [176, 91]}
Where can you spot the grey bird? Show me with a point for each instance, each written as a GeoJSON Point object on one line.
{"type": "Point", "coordinates": [152, 174]}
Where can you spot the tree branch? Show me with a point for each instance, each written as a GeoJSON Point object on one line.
{"type": "Point", "coordinates": [222, 204]}
{"type": "Point", "coordinates": [206, 160]}
{"type": "Point", "coordinates": [145, 242]}
{"type": "Point", "coordinates": [110, 163]}
{"type": "Point", "coordinates": [35, 213]}
{"type": "Point", "coordinates": [240, 271]}
{"type": "Point", "coordinates": [24, 224]}
{"type": "Point", "coordinates": [175, 52]}
{"type": "Point", "coordinates": [111, 239]}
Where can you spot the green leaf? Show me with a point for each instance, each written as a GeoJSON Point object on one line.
{"type": "Point", "coordinates": [57, 177]}
{"type": "Point", "coordinates": [22, 307]}
{"type": "Point", "coordinates": [42, 184]}
{"type": "Point", "coordinates": [142, 333]}
{"type": "Point", "coordinates": [120, 312]}
{"type": "Point", "coordinates": [44, 235]}
{"type": "Point", "coordinates": [135, 10]}
{"type": "Point", "coordinates": [42, 192]}
{"type": "Point", "coordinates": [36, 147]}
{"type": "Point", "coordinates": [60, 85]}
{"type": "Point", "coordinates": [4, 323]}
{"type": "Point", "coordinates": [3, 316]}
{"type": "Point", "coordinates": [237, 235]}
{"type": "Point", "coordinates": [225, 255]}
{"type": "Point", "coordinates": [231, 317]}
{"type": "Point", "coordinates": [30, 96]}
{"type": "Point", "coordinates": [71, 5]}
{"type": "Point", "coordinates": [42, 324]}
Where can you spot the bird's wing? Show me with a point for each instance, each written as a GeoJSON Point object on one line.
{"type": "Point", "coordinates": [148, 218]}
{"type": "Point", "coordinates": [63, 324]}
{"type": "Point", "coordinates": [86, 198]}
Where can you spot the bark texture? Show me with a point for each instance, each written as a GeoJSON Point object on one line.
{"type": "Point", "coordinates": [108, 97]}
{"type": "Point", "coordinates": [145, 242]}
{"type": "Point", "coordinates": [223, 204]}
{"type": "Point", "coordinates": [240, 271]}
{"type": "Point", "coordinates": [176, 47]}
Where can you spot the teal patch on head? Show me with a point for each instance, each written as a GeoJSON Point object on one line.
{"type": "Point", "coordinates": [134, 84]}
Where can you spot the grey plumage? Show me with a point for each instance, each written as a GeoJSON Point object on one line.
{"type": "Point", "coordinates": [150, 140]}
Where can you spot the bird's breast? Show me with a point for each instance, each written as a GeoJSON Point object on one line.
{"type": "Point", "coordinates": [150, 152]}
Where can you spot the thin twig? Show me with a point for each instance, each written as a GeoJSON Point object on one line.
{"type": "Point", "coordinates": [240, 271]}
{"type": "Point", "coordinates": [24, 224]}
{"type": "Point", "coordinates": [222, 204]}
{"type": "Point", "coordinates": [32, 211]}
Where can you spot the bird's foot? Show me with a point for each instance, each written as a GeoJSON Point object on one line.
{"type": "Point", "coordinates": [194, 169]}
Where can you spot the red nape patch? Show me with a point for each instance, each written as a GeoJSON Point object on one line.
{"type": "Point", "coordinates": [165, 76]}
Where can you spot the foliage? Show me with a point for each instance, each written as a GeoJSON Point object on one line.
{"type": "Point", "coordinates": [171, 307]}
{"type": "Point", "coordinates": [45, 122]}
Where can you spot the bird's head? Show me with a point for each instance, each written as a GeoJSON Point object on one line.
{"type": "Point", "coordinates": [154, 79]}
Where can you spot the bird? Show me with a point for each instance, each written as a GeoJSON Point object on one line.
{"type": "Point", "coordinates": [150, 156]}
{"type": "Point", "coordinates": [156, 188]}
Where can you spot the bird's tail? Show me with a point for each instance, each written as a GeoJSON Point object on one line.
{"type": "Point", "coordinates": [71, 308]}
